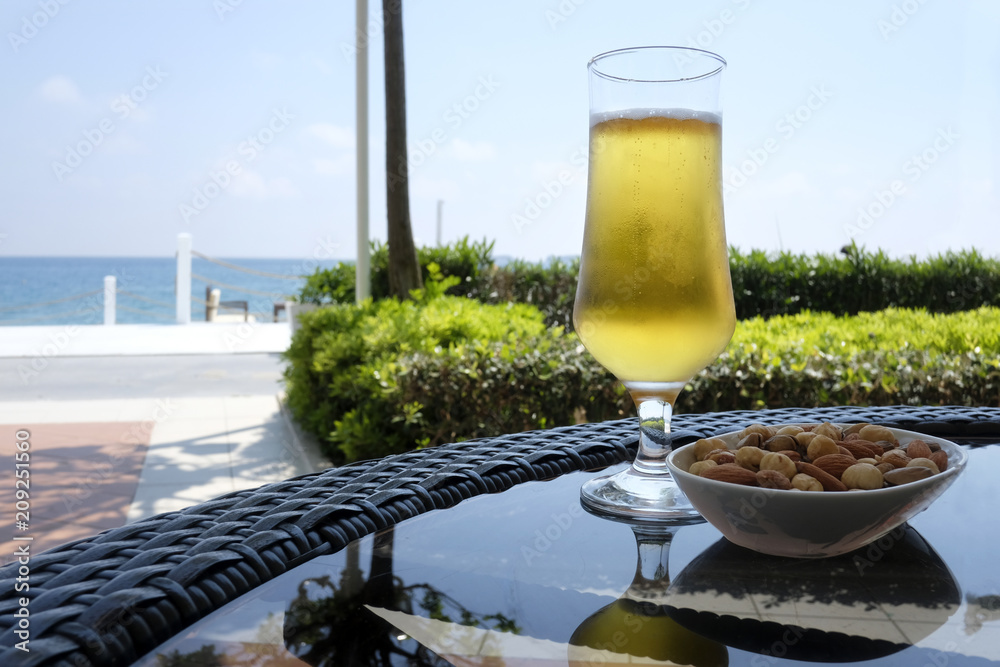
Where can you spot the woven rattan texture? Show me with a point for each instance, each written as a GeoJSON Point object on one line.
{"type": "Point", "coordinates": [109, 599]}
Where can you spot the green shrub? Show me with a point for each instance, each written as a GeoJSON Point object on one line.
{"type": "Point", "coordinates": [344, 364]}
{"type": "Point", "coordinates": [386, 377]}
{"type": "Point", "coordinates": [470, 262]}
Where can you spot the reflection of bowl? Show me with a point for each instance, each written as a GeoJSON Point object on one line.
{"type": "Point", "coordinates": [810, 524]}
{"type": "Point", "coordinates": [875, 602]}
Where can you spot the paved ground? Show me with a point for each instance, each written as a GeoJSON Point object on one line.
{"type": "Point", "coordinates": [72, 378]}
{"type": "Point", "coordinates": [116, 439]}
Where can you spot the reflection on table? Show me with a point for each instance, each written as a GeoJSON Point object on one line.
{"type": "Point", "coordinates": [526, 577]}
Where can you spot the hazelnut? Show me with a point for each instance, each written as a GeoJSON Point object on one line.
{"type": "Point", "coordinates": [862, 476]}
{"type": "Point", "coordinates": [805, 438]}
{"type": "Point", "coordinates": [874, 433]}
{"type": "Point", "coordinates": [829, 430]}
{"type": "Point", "coordinates": [854, 428]}
{"type": "Point", "coordinates": [764, 431]}
{"type": "Point", "coordinates": [749, 457]}
{"type": "Point", "coordinates": [706, 446]}
{"type": "Point", "coordinates": [779, 462]}
{"type": "Point", "coordinates": [821, 445]}
{"type": "Point", "coordinates": [698, 466]}
{"type": "Point", "coordinates": [804, 482]}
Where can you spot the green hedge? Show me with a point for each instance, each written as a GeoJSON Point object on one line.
{"type": "Point", "coordinates": [859, 281]}
{"type": "Point", "coordinates": [345, 363]}
{"type": "Point", "coordinates": [853, 282]}
{"type": "Point", "coordinates": [385, 377]}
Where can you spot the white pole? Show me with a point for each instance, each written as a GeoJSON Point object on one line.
{"type": "Point", "coordinates": [440, 206]}
{"type": "Point", "coordinates": [362, 276]}
{"type": "Point", "coordinates": [110, 291]}
{"type": "Point", "coordinates": [184, 278]}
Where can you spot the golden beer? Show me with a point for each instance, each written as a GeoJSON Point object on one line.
{"type": "Point", "coordinates": [655, 300]}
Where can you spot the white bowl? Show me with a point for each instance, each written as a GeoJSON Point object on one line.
{"type": "Point", "coordinates": [803, 524]}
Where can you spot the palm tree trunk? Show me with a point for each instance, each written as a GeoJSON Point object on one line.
{"type": "Point", "coordinates": [404, 270]}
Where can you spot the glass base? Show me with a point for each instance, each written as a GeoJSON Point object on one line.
{"type": "Point", "coordinates": [632, 495]}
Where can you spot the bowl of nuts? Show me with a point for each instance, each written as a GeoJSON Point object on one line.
{"type": "Point", "coordinates": [814, 490]}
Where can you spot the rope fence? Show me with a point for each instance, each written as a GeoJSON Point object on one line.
{"type": "Point", "coordinates": [43, 318]}
{"type": "Point", "coordinates": [50, 303]}
{"type": "Point", "coordinates": [237, 267]}
{"type": "Point", "coordinates": [210, 281]}
{"type": "Point", "coordinates": [144, 298]}
{"type": "Point", "coordinates": [146, 312]}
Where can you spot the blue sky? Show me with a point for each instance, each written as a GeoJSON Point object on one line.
{"type": "Point", "coordinates": [124, 124]}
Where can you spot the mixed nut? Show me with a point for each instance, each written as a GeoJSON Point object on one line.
{"type": "Point", "coordinates": [817, 457]}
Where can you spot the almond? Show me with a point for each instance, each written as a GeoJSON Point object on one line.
{"type": "Point", "coordinates": [834, 464]}
{"type": "Point", "coordinates": [829, 482]}
{"type": "Point", "coordinates": [772, 479]}
{"type": "Point", "coordinates": [861, 449]}
{"type": "Point", "coordinates": [732, 473]}
{"type": "Point", "coordinates": [792, 454]}
{"type": "Point", "coordinates": [940, 457]}
{"type": "Point", "coordinates": [844, 450]}
{"type": "Point", "coordinates": [918, 449]}
{"type": "Point", "coordinates": [897, 457]}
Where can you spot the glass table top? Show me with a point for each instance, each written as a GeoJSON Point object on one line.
{"type": "Point", "coordinates": [527, 577]}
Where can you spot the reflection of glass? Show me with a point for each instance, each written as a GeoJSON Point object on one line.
{"type": "Point", "coordinates": [654, 303]}
{"type": "Point", "coordinates": [873, 602]}
{"type": "Point", "coordinates": [636, 625]}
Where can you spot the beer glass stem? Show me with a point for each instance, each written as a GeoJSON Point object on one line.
{"type": "Point", "coordinates": [654, 436]}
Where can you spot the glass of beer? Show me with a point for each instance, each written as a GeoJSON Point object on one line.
{"type": "Point", "coordinates": [654, 304]}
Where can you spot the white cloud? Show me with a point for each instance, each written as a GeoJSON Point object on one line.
{"type": "Point", "coordinates": [61, 90]}
{"type": "Point", "coordinates": [477, 151]}
{"type": "Point", "coordinates": [334, 135]}
{"type": "Point", "coordinates": [252, 185]}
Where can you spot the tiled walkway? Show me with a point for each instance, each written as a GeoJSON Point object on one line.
{"type": "Point", "coordinates": [97, 464]}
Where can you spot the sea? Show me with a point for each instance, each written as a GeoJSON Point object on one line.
{"type": "Point", "coordinates": [70, 290]}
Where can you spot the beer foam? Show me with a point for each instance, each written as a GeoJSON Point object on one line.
{"type": "Point", "coordinates": [639, 114]}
